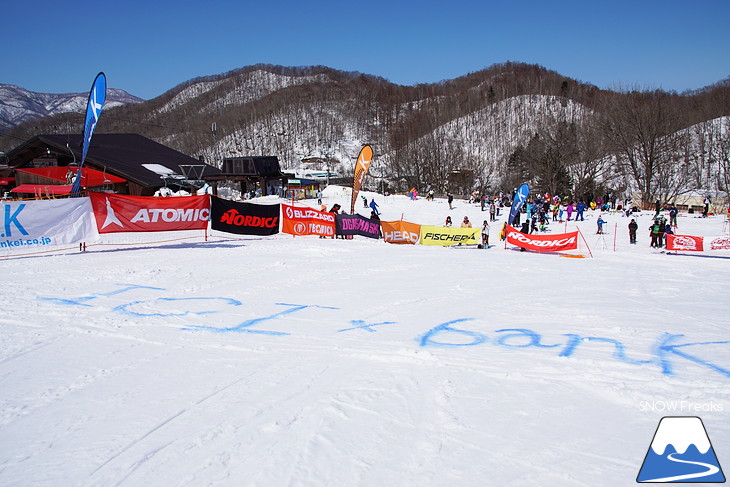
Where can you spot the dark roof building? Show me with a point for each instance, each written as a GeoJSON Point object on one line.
{"type": "Point", "coordinates": [140, 166]}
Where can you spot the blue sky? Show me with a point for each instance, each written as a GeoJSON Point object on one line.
{"type": "Point", "coordinates": [149, 47]}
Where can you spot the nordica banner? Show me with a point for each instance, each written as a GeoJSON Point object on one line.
{"type": "Point", "coordinates": [306, 221]}
{"type": "Point", "coordinates": [118, 213]}
{"type": "Point", "coordinates": [243, 218]}
{"type": "Point", "coordinates": [401, 232]}
{"type": "Point", "coordinates": [30, 225]}
{"type": "Point", "coordinates": [446, 236]}
{"type": "Point", "coordinates": [543, 243]}
{"type": "Point", "coordinates": [357, 225]}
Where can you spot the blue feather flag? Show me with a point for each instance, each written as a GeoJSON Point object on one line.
{"type": "Point", "coordinates": [97, 96]}
{"type": "Point", "coordinates": [519, 200]}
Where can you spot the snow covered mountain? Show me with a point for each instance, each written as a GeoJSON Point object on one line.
{"type": "Point", "coordinates": [18, 105]}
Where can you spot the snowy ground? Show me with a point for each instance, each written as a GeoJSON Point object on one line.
{"type": "Point", "coordinates": [316, 362]}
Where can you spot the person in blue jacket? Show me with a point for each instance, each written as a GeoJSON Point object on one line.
{"type": "Point", "coordinates": [600, 223]}
{"type": "Point", "coordinates": [580, 208]}
{"type": "Point", "coordinates": [374, 206]}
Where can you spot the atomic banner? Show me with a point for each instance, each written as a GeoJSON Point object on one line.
{"type": "Point", "coordinates": [119, 213]}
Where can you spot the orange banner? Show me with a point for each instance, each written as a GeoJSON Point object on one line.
{"type": "Point", "coordinates": [307, 221]}
{"type": "Point", "coordinates": [400, 232]}
{"type": "Point", "coordinates": [361, 168]}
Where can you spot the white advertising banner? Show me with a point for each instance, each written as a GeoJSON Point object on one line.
{"type": "Point", "coordinates": [32, 225]}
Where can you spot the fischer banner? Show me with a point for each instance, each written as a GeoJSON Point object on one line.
{"type": "Point", "coordinates": [357, 225]}
{"type": "Point", "coordinates": [685, 242]}
{"type": "Point", "coordinates": [307, 221]}
{"type": "Point", "coordinates": [120, 213]}
{"type": "Point", "coordinates": [400, 232]}
{"type": "Point", "coordinates": [543, 243]}
{"type": "Point", "coordinates": [446, 236]}
{"type": "Point", "coordinates": [361, 168]}
{"type": "Point", "coordinates": [31, 225]}
{"type": "Point", "coordinates": [243, 218]}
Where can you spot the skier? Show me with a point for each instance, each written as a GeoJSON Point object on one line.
{"type": "Point", "coordinates": [448, 222]}
{"type": "Point", "coordinates": [580, 208]}
{"type": "Point", "coordinates": [633, 226]}
{"type": "Point", "coordinates": [600, 223]}
{"type": "Point", "coordinates": [466, 223]}
{"type": "Point", "coordinates": [485, 235]}
{"type": "Point", "coordinates": [374, 206]}
{"type": "Point", "coordinates": [364, 202]}
{"type": "Point", "coordinates": [450, 199]}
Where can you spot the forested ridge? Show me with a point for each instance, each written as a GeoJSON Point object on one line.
{"type": "Point", "coordinates": [484, 131]}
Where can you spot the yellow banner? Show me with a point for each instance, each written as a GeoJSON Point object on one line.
{"type": "Point", "coordinates": [446, 236]}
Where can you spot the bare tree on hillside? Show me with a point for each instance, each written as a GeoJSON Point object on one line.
{"type": "Point", "coordinates": [642, 131]}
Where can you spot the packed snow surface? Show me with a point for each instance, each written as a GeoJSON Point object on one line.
{"type": "Point", "coordinates": [250, 361]}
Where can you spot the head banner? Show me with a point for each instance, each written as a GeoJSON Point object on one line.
{"type": "Point", "coordinates": [119, 213]}
{"type": "Point", "coordinates": [358, 225]}
{"type": "Point", "coordinates": [306, 221]}
{"type": "Point", "coordinates": [520, 198]}
{"type": "Point", "coordinates": [446, 236]}
{"type": "Point", "coordinates": [543, 243]}
{"type": "Point", "coordinates": [400, 232]}
{"type": "Point", "coordinates": [243, 218]}
{"type": "Point", "coordinates": [361, 168]}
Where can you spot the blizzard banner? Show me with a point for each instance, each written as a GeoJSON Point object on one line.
{"type": "Point", "coordinates": [26, 225]}
{"type": "Point", "coordinates": [446, 236]}
{"type": "Point", "coordinates": [118, 213]}
{"type": "Point", "coordinates": [684, 242]}
{"type": "Point", "coordinates": [306, 221]}
{"type": "Point", "coordinates": [243, 218]}
{"type": "Point", "coordinates": [543, 243]}
{"type": "Point", "coordinates": [357, 225]}
{"type": "Point", "coordinates": [400, 232]}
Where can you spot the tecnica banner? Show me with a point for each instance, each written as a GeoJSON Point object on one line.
{"type": "Point", "coordinates": [543, 243]}
{"type": "Point", "coordinates": [307, 221]}
{"type": "Point", "coordinates": [243, 218]}
{"type": "Point", "coordinates": [32, 225]}
{"type": "Point", "coordinates": [119, 213]}
{"type": "Point", "coordinates": [357, 225]}
{"type": "Point", "coordinates": [446, 236]}
{"type": "Point", "coordinates": [400, 232]}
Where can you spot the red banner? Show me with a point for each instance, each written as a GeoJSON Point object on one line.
{"type": "Point", "coordinates": [685, 242]}
{"type": "Point", "coordinates": [543, 243]}
{"type": "Point", "coordinates": [307, 221]}
{"type": "Point", "coordinates": [120, 213]}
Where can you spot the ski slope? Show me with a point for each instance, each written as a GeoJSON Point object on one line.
{"type": "Point", "coordinates": [320, 362]}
